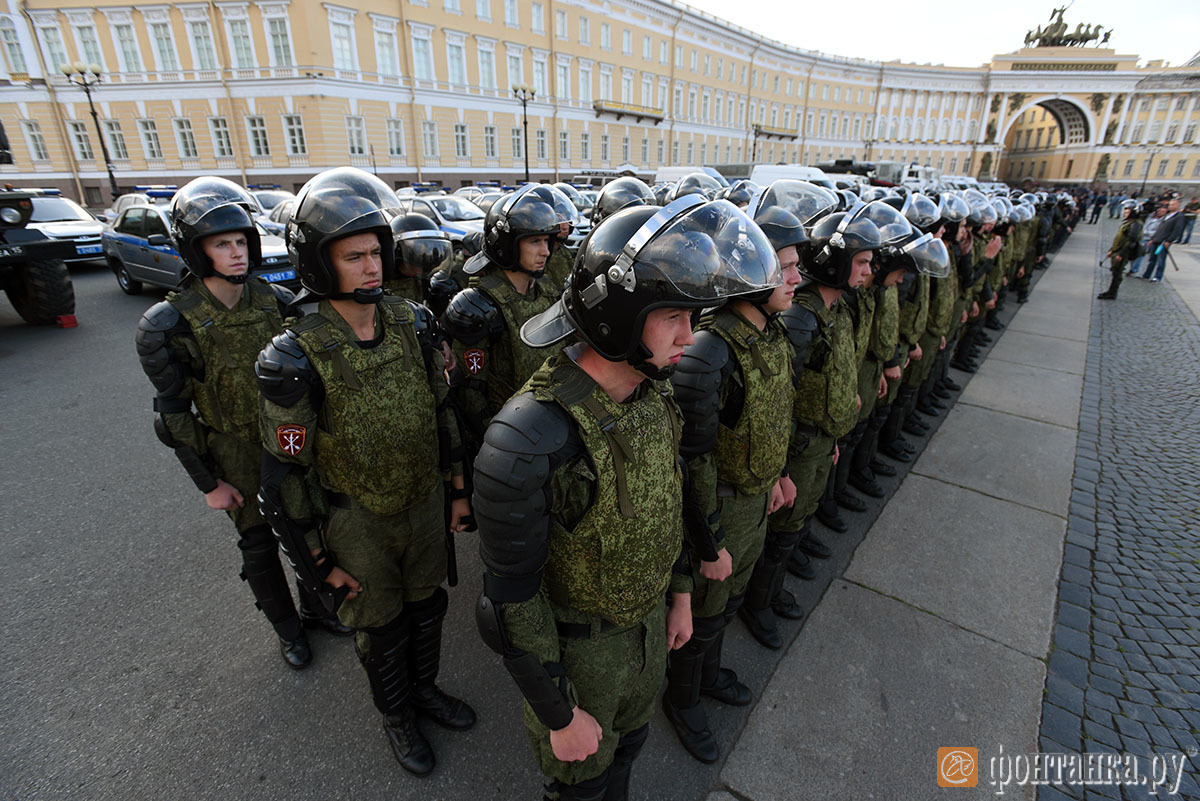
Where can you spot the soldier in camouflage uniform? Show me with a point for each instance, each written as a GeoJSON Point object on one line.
{"type": "Point", "coordinates": [578, 489]}
{"type": "Point", "coordinates": [421, 249]}
{"type": "Point", "coordinates": [561, 260]}
{"type": "Point", "coordinates": [1124, 247]}
{"type": "Point", "coordinates": [484, 321]}
{"type": "Point", "coordinates": [946, 310]}
{"type": "Point", "coordinates": [198, 348]}
{"type": "Point", "coordinates": [732, 386]}
{"type": "Point", "coordinates": [982, 248]}
{"type": "Point", "coordinates": [359, 438]}
{"type": "Point", "coordinates": [825, 404]}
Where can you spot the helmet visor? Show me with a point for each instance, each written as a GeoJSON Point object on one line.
{"type": "Point", "coordinates": [423, 249]}
{"type": "Point", "coordinates": [929, 255]}
{"type": "Point", "coordinates": [953, 208]}
{"type": "Point", "coordinates": [805, 200]}
{"type": "Point", "coordinates": [922, 212]}
{"type": "Point", "coordinates": [893, 226]}
{"type": "Point", "coordinates": [204, 200]}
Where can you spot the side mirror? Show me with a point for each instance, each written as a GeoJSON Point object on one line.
{"type": "Point", "coordinates": [158, 240]}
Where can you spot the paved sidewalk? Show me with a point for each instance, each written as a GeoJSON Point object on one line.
{"type": "Point", "coordinates": [938, 632]}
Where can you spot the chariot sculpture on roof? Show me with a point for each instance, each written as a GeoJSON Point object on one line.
{"type": "Point", "coordinates": [1055, 34]}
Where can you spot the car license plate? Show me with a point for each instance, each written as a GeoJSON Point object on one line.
{"type": "Point", "coordinates": [83, 249]}
{"type": "Point", "coordinates": [282, 275]}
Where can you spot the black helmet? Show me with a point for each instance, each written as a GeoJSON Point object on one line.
{"type": "Point", "coordinates": [835, 240]}
{"type": "Point", "coordinates": [690, 254]}
{"type": "Point", "coordinates": [333, 205]}
{"type": "Point", "coordinates": [512, 218]}
{"type": "Point", "coordinates": [696, 183]}
{"type": "Point", "coordinates": [571, 193]}
{"type": "Point", "coordinates": [621, 194]}
{"type": "Point", "coordinates": [847, 200]}
{"type": "Point", "coordinates": [873, 193]}
{"type": "Point", "coordinates": [420, 243]}
{"type": "Point", "coordinates": [922, 212]}
{"type": "Point", "coordinates": [207, 206]}
{"type": "Point", "coordinates": [739, 193]}
{"type": "Point", "coordinates": [952, 208]}
{"type": "Point", "coordinates": [781, 227]}
{"type": "Point", "coordinates": [807, 201]}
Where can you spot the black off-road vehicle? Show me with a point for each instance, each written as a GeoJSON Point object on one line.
{"type": "Point", "coordinates": [32, 271]}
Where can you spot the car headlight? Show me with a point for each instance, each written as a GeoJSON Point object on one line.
{"type": "Point", "coordinates": [10, 215]}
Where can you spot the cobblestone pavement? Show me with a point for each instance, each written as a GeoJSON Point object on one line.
{"type": "Point", "coordinates": [1124, 669]}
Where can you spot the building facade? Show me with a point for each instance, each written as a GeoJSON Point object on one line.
{"type": "Point", "coordinates": [273, 91]}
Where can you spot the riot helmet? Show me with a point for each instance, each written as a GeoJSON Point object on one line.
{"type": "Point", "coordinates": [622, 193]}
{"type": "Point", "coordinates": [873, 193]}
{"type": "Point", "coordinates": [522, 214]}
{"type": "Point", "coordinates": [922, 212]}
{"type": "Point", "coordinates": [696, 183]}
{"type": "Point", "coordinates": [739, 193]}
{"type": "Point", "coordinates": [891, 223]}
{"type": "Point", "coordinates": [847, 200]}
{"type": "Point", "coordinates": [835, 240]}
{"type": "Point", "coordinates": [333, 205]}
{"type": "Point", "coordinates": [1131, 206]}
{"type": "Point", "coordinates": [807, 201]}
{"type": "Point", "coordinates": [919, 252]}
{"type": "Point", "coordinates": [691, 254]}
{"type": "Point", "coordinates": [571, 193]}
{"type": "Point", "coordinates": [207, 206]}
{"type": "Point", "coordinates": [662, 193]}
{"type": "Point", "coordinates": [981, 211]}
{"type": "Point", "coordinates": [420, 244]}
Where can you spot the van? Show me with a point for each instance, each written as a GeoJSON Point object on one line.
{"type": "Point", "coordinates": [921, 178]}
{"type": "Point", "coordinates": [763, 174]}
{"type": "Point", "coordinates": [666, 175]}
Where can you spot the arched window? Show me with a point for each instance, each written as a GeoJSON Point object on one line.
{"type": "Point", "coordinates": [12, 46]}
{"type": "Point", "coordinates": [972, 130]}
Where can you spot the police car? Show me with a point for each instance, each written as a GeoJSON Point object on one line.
{"type": "Point", "coordinates": [454, 214]}
{"type": "Point", "coordinates": [139, 251]}
{"type": "Point", "coordinates": [62, 218]}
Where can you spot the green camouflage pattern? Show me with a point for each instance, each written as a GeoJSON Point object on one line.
{"type": "Point", "coordinates": [224, 345]}
{"type": "Point", "coordinates": [744, 518]}
{"type": "Point", "coordinates": [407, 287]}
{"type": "Point", "coordinates": [615, 562]}
{"type": "Point", "coordinates": [864, 320]}
{"type": "Point", "coordinates": [826, 393]}
{"type": "Point", "coordinates": [943, 294]}
{"type": "Point", "coordinates": [558, 268]}
{"type": "Point", "coordinates": [809, 470]}
{"type": "Point", "coordinates": [375, 436]}
{"type": "Point", "coordinates": [914, 315]}
{"type": "Point", "coordinates": [752, 455]}
{"type": "Point", "coordinates": [869, 373]}
{"type": "Point", "coordinates": [885, 334]}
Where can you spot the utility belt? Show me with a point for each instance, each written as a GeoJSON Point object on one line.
{"type": "Point", "coordinates": [341, 500]}
{"type": "Point", "coordinates": [585, 631]}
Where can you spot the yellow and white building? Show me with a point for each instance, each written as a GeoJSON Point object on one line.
{"type": "Point", "coordinates": [273, 91]}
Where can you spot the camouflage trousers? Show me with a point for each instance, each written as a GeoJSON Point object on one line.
{"type": "Point", "coordinates": [868, 386]}
{"type": "Point", "coordinates": [744, 518]}
{"type": "Point", "coordinates": [239, 464]}
{"type": "Point", "coordinates": [616, 676]}
{"type": "Point", "coordinates": [809, 471]}
{"type": "Point", "coordinates": [916, 372]}
{"type": "Point", "coordinates": [397, 558]}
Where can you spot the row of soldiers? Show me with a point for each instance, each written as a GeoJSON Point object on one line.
{"type": "Point", "coordinates": [641, 435]}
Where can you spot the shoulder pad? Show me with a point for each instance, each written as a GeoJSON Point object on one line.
{"type": "Point", "coordinates": [285, 296]}
{"type": "Point", "coordinates": [160, 322]}
{"type": "Point", "coordinates": [284, 372]}
{"type": "Point", "coordinates": [429, 333]}
{"type": "Point", "coordinates": [472, 317]}
{"type": "Point", "coordinates": [697, 380]}
{"type": "Point", "coordinates": [443, 285]}
{"type": "Point", "coordinates": [526, 441]}
{"type": "Point", "coordinates": [801, 325]}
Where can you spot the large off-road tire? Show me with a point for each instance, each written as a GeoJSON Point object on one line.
{"type": "Point", "coordinates": [124, 280]}
{"type": "Point", "coordinates": [41, 291]}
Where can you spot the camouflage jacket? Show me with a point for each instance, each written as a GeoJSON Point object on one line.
{"type": "Point", "coordinates": [827, 391]}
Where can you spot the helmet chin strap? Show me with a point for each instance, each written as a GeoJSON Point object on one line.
{"type": "Point", "coordinates": [641, 362]}
{"type": "Point", "coordinates": [367, 297]}
{"type": "Point", "coordinates": [233, 279]}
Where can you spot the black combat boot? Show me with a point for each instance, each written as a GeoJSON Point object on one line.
{"type": "Point", "coordinates": [681, 701]}
{"type": "Point", "coordinates": [594, 789]}
{"type": "Point", "coordinates": [830, 517]}
{"type": "Point", "coordinates": [757, 610]}
{"type": "Point", "coordinates": [1113, 286]}
{"type": "Point", "coordinates": [721, 684]}
{"type": "Point", "coordinates": [891, 444]}
{"type": "Point", "coordinates": [314, 616]}
{"type": "Point", "coordinates": [424, 658]}
{"type": "Point", "coordinates": [628, 748]}
{"type": "Point", "coordinates": [862, 477]}
{"type": "Point", "coordinates": [386, 664]}
{"type": "Point", "coordinates": [992, 320]}
{"type": "Point", "coordinates": [264, 574]}
{"type": "Point", "coordinates": [800, 566]}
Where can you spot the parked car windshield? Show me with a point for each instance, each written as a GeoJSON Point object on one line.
{"type": "Point", "coordinates": [269, 200]}
{"type": "Point", "coordinates": [456, 208]}
{"type": "Point", "coordinates": [57, 209]}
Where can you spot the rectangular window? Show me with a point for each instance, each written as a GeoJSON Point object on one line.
{"type": "Point", "coordinates": [293, 134]}
{"type": "Point", "coordinates": [647, 48]}
{"type": "Point", "coordinates": [395, 136]}
{"type": "Point", "coordinates": [89, 44]}
{"type": "Point", "coordinates": [518, 144]}
{"type": "Point", "coordinates": [627, 42]}
{"type": "Point", "coordinates": [625, 149]}
{"type": "Point", "coordinates": [516, 74]}
{"type": "Point", "coordinates": [560, 24]}
{"type": "Point", "coordinates": [662, 52]}
{"type": "Point", "coordinates": [487, 69]}
{"type": "Point", "coordinates": [12, 46]}
{"type": "Point", "coordinates": [691, 152]}
{"type": "Point", "coordinates": [585, 30]}
{"type": "Point", "coordinates": [116, 140]}
{"type": "Point", "coordinates": [489, 141]}
{"type": "Point", "coordinates": [562, 86]}
{"type": "Point", "coordinates": [585, 85]}
{"type": "Point", "coordinates": [645, 150]}
{"type": "Point", "coordinates": [539, 76]}
{"type": "Point", "coordinates": [240, 46]}
{"type": "Point", "coordinates": [202, 42]}
{"type": "Point", "coordinates": [707, 64]}
{"type": "Point", "coordinates": [585, 147]}
{"type": "Point", "coordinates": [256, 127]}
{"type": "Point", "coordinates": [1128, 168]}
{"type": "Point", "coordinates": [52, 39]}
{"type": "Point", "coordinates": [222, 143]}
{"type": "Point", "coordinates": [605, 85]}
{"type": "Point", "coordinates": [422, 58]}
{"type": "Point", "coordinates": [540, 138]}
{"type": "Point", "coordinates": [456, 63]}
{"type": "Point", "coordinates": [343, 46]}
{"type": "Point", "coordinates": [127, 48]}
{"type": "Point", "coordinates": [603, 147]}
{"type": "Point", "coordinates": [675, 152]}
{"type": "Point", "coordinates": [704, 152]}
{"type": "Point", "coordinates": [564, 146]}
{"type": "Point", "coordinates": [510, 14]}
{"type": "Point", "coordinates": [1179, 168]}
{"type": "Point", "coordinates": [386, 59]}
{"type": "Point", "coordinates": [537, 18]}
{"type": "Point", "coordinates": [80, 141]}
{"type": "Point", "coordinates": [695, 64]}
{"type": "Point", "coordinates": [185, 138]}
{"type": "Point", "coordinates": [1162, 169]}
{"type": "Point", "coordinates": [452, 6]}
{"type": "Point", "coordinates": [429, 138]}
{"type": "Point", "coordinates": [660, 149]}
{"type": "Point", "coordinates": [483, 10]}
{"type": "Point", "coordinates": [37, 142]}
{"type": "Point", "coordinates": [150, 141]}
{"type": "Point", "coordinates": [605, 36]}
{"type": "Point", "coordinates": [627, 89]}
{"type": "Point", "coordinates": [164, 46]}
{"type": "Point", "coordinates": [281, 43]}
{"type": "Point", "coordinates": [460, 140]}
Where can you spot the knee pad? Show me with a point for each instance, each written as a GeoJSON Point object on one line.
{"type": "Point", "coordinates": [430, 608]}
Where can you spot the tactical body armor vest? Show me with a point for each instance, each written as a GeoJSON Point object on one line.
{"type": "Point", "coordinates": [616, 562]}
{"type": "Point", "coordinates": [512, 361]}
{"type": "Point", "coordinates": [885, 333]}
{"type": "Point", "coordinates": [224, 344]}
{"type": "Point", "coordinates": [376, 438]}
{"type": "Point", "coordinates": [751, 455]}
{"type": "Point", "coordinates": [825, 394]}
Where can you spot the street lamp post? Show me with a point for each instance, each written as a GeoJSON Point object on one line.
{"type": "Point", "coordinates": [1153, 152]}
{"type": "Point", "coordinates": [86, 76]}
{"type": "Point", "coordinates": [524, 94]}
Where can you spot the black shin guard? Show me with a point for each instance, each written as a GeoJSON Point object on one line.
{"type": "Point", "coordinates": [262, 570]}
{"type": "Point", "coordinates": [385, 661]}
{"type": "Point", "coordinates": [424, 660]}
{"type": "Point", "coordinates": [628, 748]}
{"type": "Point", "coordinates": [681, 702]}
{"type": "Point", "coordinates": [594, 789]}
